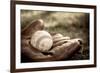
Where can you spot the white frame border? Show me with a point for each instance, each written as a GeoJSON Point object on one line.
{"type": "Point", "coordinates": [20, 65]}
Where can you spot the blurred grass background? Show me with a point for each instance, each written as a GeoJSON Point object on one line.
{"type": "Point", "coordinates": [72, 24]}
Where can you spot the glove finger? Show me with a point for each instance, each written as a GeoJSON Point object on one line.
{"type": "Point", "coordinates": [60, 42]}
{"type": "Point", "coordinates": [33, 27]}
{"type": "Point", "coordinates": [67, 49]}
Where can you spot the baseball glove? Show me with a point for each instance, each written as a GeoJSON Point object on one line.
{"type": "Point", "coordinates": [63, 47]}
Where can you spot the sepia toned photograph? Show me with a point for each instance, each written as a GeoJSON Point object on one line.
{"type": "Point", "coordinates": [52, 36]}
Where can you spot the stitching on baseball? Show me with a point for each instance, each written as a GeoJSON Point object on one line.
{"type": "Point", "coordinates": [41, 38]}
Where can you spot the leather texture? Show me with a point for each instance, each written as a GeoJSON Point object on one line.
{"type": "Point", "coordinates": [61, 49]}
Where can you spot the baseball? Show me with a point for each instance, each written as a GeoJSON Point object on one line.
{"type": "Point", "coordinates": [41, 40]}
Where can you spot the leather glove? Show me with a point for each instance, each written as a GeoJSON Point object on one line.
{"type": "Point", "coordinates": [63, 47]}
